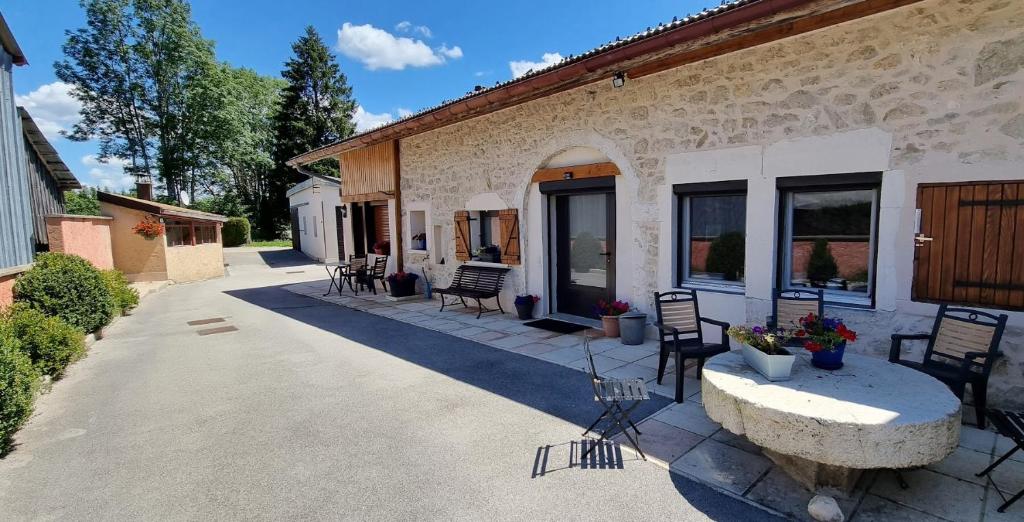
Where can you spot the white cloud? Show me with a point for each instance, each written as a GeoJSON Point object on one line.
{"type": "Point", "coordinates": [365, 120]}
{"type": "Point", "coordinates": [521, 67]}
{"type": "Point", "coordinates": [402, 113]}
{"type": "Point", "coordinates": [379, 49]}
{"type": "Point", "coordinates": [108, 175]}
{"type": "Point", "coordinates": [406, 26]}
{"type": "Point", "coordinates": [52, 108]}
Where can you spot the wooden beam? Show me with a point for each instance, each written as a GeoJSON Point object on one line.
{"type": "Point", "coordinates": [372, 196]}
{"type": "Point", "coordinates": [592, 170]}
{"type": "Point", "coordinates": [396, 243]}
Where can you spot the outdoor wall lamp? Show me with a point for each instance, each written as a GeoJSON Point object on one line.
{"type": "Point", "coordinates": [344, 211]}
{"type": "Point", "coordinates": [619, 79]}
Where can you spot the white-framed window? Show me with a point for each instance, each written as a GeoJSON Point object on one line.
{"type": "Point", "coordinates": [711, 224]}
{"type": "Point", "coordinates": [829, 237]}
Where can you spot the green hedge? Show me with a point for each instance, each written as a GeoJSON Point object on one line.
{"type": "Point", "coordinates": [18, 382]}
{"type": "Point", "coordinates": [68, 287]}
{"type": "Point", "coordinates": [50, 342]}
{"type": "Point", "coordinates": [236, 232]}
{"type": "Point", "coordinates": [125, 297]}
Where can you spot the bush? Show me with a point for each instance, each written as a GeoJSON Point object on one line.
{"type": "Point", "coordinates": [69, 287]}
{"type": "Point", "coordinates": [821, 266]}
{"type": "Point", "coordinates": [236, 232]}
{"type": "Point", "coordinates": [125, 297]}
{"type": "Point", "coordinates": [726, 255]}
{"type": "Point", "coordinates": [18, 382]}
{"type": "Point", "coordinates": [49, 342]}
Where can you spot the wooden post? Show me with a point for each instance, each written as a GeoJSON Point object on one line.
{"type": "Point", "coordinates": [396, 243]}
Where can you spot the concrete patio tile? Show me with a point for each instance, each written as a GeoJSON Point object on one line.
{"type": "Point", "coordinates": [661, 442]}
{"type": "Point", "coordinates": [963, 463]}
{"type": "Point", "coordinates": [690, 417]}
{"type": "Point", "coordinates": [603, 345]}
{"type": "Point", "coordinates": [651, 361]}
{"type": "Point", "coordinates": [1014, 513]}
{"type": "Point", "coordinates": [737, 441]}
{"type": "Point", "coordinates": [934, 493]}
{"type": "Point", "coordinates": [443, 326]}
{"type": "Point", "coordinates": [977, 440]}
{"type": "Point", "coordinates": [877, 509]}
{"type": "Point", "coordinates": [533, 349]}
{"type": "Point", "coordinates": [489, 335]}
{"type": "Point", "coordinates": [783, 494]}
{"type": "Point", "coordinates": [562, 355]}
{"type": "Point", "coordinates": [601, 363]}
{"type": "Point", "coordinates": [565, 340]}
{"type": "Point", "coordinates": [1004, 444]}
{"type": "Point", "coordinates": [1009, 476]}
{"type": "Point", "coordinates": [667, 388]}
{"type": "Point", "coordinates": [512, 341]}
{"type": "Point", "coordinates": [537, 333]}
{"type": "Point", "coordinates": [631, 371]}
{"type": "Point", "coordinates": [468, 333]}
{"type": "Point", "coordinates": [423, 318]}
{"type": "Point", "coordinates": [724, 466]}
{"type": "Point", "coordinates": [627, 353]}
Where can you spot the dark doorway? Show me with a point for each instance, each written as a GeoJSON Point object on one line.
{"type": "Point", "coordinates": [584, 243]}
{"type": "Point", "coordinates": [358, 232]}
{"type": "Point", "coordinates": [339, 230]}
{"type": "Point", "coordinates": [296, 239]}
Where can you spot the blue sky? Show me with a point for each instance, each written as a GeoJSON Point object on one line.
{"type": "Point", "coordinates": [398, 55]}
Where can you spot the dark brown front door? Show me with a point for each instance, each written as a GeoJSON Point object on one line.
{"type": "Point", "coordinates": [584, 251]}
{"type": "Point", "coordinates": [296, 240]}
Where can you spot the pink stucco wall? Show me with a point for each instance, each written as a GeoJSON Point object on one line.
{"type": "Point", "coordinates": [86, 236]}
{"type": "Point", "coordinates": [7, 290]}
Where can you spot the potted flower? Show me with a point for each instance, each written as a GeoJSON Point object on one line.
{"type": "Point", "coordinates": [402, 284]}
{"type": "Point", "coordinates": [488, 254]}
{"type": "Point", "coordinates": [609, 314]}
{"type": "Point", "coordinates": [524, 306]}
{"type": "Point", "coordinates": [826, 339]}
{"type": "Point", "coordinates": [419, 241]}
{"type": "Point", "coordinates": [763, 349]}
{"type": "Point", "coordinates": [149, 228]}
{"type": "Point", "coordinates": [382, 248]}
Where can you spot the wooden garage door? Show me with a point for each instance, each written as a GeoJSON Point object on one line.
{"type": "Point", "coordinates": [976, 252]}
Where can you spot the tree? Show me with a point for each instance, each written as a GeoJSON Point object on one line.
{"type": "Point", "coordinates": [726, 255]}
{"type": "Point", "coordinates": [82, 202]}
{"type": "Point", "coordinates": [821, 266]}
{"type": "Point", "coordinates": [316, 110]}
{"type": "Point", "coordinates": [134, 68]}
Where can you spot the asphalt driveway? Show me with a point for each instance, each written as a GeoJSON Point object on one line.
{"type": "Point", "coordinates": [310, 410]}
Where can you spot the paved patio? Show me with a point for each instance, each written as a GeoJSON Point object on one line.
{"type": "Point", "coordinates": [682, 438]}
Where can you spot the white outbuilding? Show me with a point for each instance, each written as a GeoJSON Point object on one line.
{"type": "Point", "coordinates": [316, 217]}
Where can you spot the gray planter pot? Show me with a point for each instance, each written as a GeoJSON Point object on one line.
{"type": "Point", "coordinates": [631, 327]}
{"type": "Point", "coordinates": [773, 367]}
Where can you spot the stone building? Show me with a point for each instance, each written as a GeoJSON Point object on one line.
{"type": "Point", "coordinates": [885, 134]}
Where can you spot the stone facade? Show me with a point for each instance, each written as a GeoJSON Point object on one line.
{"type": "Point", "coordinates": [941, 80]}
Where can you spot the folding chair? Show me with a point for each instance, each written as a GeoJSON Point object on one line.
{"type": "Point", "coordinates": [612, 393]}
{"type": "Point", "coordinates": [1010, 424]}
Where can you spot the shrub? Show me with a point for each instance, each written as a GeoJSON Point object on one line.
{"type": "Point", "coordinates": [18, 382]}
{"type": "Point", "coordinates": [726, 255]}
{"type": "Point", "coordinates": [821, 266]}
{"type": "Point", "coordinates": [50, 342]}
{"type": "Point", "coordinates": [125, 297]}
{"type": "Point", "coordinates": [68, 287]}
{"type": "Point", "coordinates": [236, 232]}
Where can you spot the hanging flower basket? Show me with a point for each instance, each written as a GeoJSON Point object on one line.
{"type": "Point", "coordinates": [149, 228]}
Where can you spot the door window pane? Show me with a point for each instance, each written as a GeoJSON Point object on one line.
{"type": "Point", "coordinates": [830, 240]}
{"type": "Point", "coordinates": [714, 238]}
{"type": "Point", "coordinates": [588, 237]}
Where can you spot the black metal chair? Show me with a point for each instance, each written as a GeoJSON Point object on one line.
{"type": "Point", "coordinates": [679, 332]}
{"type": "Point", "coordinates": [789, 306]}
{"type": "Point", "coordinates": [375, 272]}
{"type": "Point", "coordinates": [612, 393]}
{"type": "Point", "coordinates": [962, 348]}
{"type": "Point", "coordinates": [349, 274]}
{"type": "Point", "coordinates": [1011, 425]}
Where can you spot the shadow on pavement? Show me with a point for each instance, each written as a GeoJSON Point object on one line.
{"type": "Point", "coordinates": [284, 258]}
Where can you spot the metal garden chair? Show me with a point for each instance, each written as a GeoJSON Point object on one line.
{"type": "Point", "coordinates": [789, 306]}
{"type": "Point", "coordinates": [350, 273]}
{"type": "Point", "coordinates": [1010, 424]}
{"type": "Point", "coordinates": [612, 394]}
{"type": "Point", "coordinates": [679, 332]}
{"type": "Point", "coordinates": [963, 346]}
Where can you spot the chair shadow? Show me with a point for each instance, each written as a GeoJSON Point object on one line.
{"type": "Point", "coordinates": [606, 455]}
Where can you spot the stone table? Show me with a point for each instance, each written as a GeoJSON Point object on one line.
{"type": "Point", "coordinates": [824, 428]}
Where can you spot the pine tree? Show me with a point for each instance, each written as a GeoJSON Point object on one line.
{"type": "Point", "coordinates": [316, 109]}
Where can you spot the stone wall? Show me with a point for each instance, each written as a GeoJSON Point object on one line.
{"type": "Point", "coordinates": [943, 79]}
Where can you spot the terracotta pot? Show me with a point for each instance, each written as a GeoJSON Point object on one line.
{"type": "Point", "coordinates": [611, 325]}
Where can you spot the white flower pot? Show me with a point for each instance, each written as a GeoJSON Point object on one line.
{"type": "Point", "coordinates": [773, 367]}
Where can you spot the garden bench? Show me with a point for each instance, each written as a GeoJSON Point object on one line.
{"type": "Point", "coordinates": [474, 282]}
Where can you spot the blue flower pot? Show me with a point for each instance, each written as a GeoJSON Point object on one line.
{"type": "Point", "coordinates": [829, 360]}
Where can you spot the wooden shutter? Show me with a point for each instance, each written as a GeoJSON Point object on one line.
{"type": "Point", "coordinates": [508, 219]}
{"type": "Point", "coordinates": [462, 235]}
{"type": "Point", "coordinates": [380, 223]}
{"type": "Point", "coordinates": [976, 252]}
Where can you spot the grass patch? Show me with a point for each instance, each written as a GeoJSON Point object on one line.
{"type": "Point", "coordinates": [270, 243]}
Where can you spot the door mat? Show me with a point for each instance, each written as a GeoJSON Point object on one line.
{"type": "Point", "coordinates": [554, 325]}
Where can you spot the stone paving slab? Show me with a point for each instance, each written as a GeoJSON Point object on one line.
{"type": "Point", "coordinates": [683, 439]}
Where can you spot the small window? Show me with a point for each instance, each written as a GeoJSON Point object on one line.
{"type": "Point", "coordinates": [179, 233]}
{"type": "Point", "coordinates": [712, 228]}
{"type": "Point", "coordinates": [205, 234]}
{"type": "Point", "coordinates": [485, 230]}
{"type": "Point", "coordinates": [828, 240]}
{"type": "Point", "coordinates": [304, 231]}
{"type": "Point", "coordinates": [314, 227]}
{"type": "Point", "coordinates": [418, 230]}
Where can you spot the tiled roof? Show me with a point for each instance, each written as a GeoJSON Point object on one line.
{"type": "Point", "coordinates": [160, 209]}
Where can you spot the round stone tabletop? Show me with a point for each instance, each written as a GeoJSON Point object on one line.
{"type": "Point", "coordinates": [868, 414]}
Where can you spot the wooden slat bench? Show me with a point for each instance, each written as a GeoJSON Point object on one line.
{"type": "Point", "coordinates": [474, 282]}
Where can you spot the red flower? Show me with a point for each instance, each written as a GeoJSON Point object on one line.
{"type": "Point", "coordinates": [812, 346]}
{"type": "Point", "coordinates": [800, 333]}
